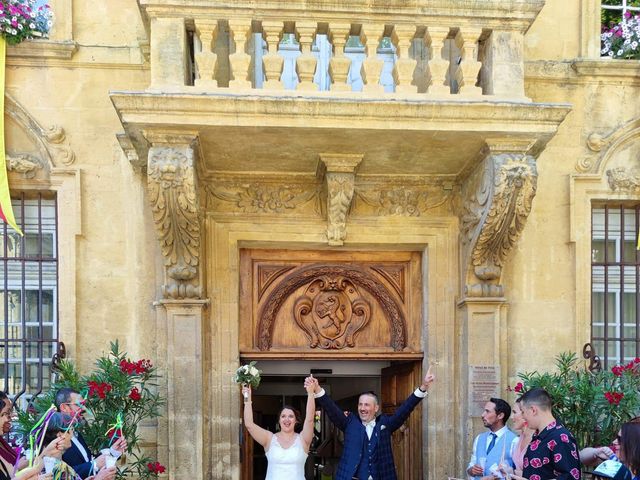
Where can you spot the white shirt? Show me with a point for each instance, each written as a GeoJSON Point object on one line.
{"type": "Point", "coordinates": [474, 456]}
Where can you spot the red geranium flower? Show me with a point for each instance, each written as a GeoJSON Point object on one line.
{"type": "Point", "coordinates": [155, 468]}
{"type": "Point", "coordinates": [518, 388]}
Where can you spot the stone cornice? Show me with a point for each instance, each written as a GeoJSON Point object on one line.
{"type": "Point", "coordinates": [44, 49]}
{"type": "Point", "coordinates": [494, 14]}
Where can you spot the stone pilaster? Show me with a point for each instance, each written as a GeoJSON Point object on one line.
{"type": "Point", "coordinates": [172, 184]}
{"type": "Point", "coordinates": [168, 53]}
{"type": "Point", "coordinates": [503, 66]}
{"type": "Point", "coordinates": [184, 373]}
{"type": "Point", "coordinates": [339, 172]}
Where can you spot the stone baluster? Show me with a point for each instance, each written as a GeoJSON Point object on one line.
{"type": "Point", "coordinates": [438, 66]}
{"type": "Point", "coordinates": [372, 65]}
{"type": "Point", "coordinates": [467, 71]}
{"type": "Point", "coordinates": [272, 61]}
{"type": "Point", "coordinates": [207, 32]}
{"type": "Point", "coordinates": [306, 62]}
{"type": "Point", "coordinates": [339, 63]}
{"type": "Point", "coordinates": [404, 67]}
{"type": "Point", "coordinates": [240, 32]}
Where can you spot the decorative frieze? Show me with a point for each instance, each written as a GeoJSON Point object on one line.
{"type": "Point", "coordinates": [622, 179]}
{"type": "Point", "coordinates": [264, 198]}
{"type": "Point", "coordinates": [171, 181]}
{"type": "Point", "coordinates": [402, 201]}
{"type": "Point", "coordinates": [497, 202]}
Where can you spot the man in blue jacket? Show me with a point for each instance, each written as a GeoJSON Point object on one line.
{"type": "Point", "coordinates": [367, 437]}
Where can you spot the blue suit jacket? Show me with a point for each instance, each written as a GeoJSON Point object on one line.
{"type": "Point", "coordinates": [73, 457]}
{"type": "Point", "coordinates": [355, 437]}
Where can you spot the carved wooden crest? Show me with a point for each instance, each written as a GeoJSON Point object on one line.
{"type": "Point", "coordinates": [331, 312]}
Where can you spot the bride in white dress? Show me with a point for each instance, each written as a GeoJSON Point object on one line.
{"type": "Point", "coordinates": [286, 450]}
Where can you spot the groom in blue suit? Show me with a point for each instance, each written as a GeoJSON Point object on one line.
{"type": "Point", "coordinates": [367, 437]}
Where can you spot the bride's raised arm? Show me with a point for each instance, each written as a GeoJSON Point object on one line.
{"type": "Point", "coordinates": [309, 418]}
{"type": "Point", "coordinates": [259, 434]}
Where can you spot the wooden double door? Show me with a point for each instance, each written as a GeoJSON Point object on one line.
{"type": "Point", "coordinates": [394, 384]}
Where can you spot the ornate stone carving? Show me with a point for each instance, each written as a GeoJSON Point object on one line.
{"type": "Point", "coordinates": [171, 179]}
{"type": "Point", "coordinates": [403, 201]}
{"type": "Point", "coordinates": [498, 200]}
{"type": "Point", "coordinates": [339, 172]}
{"type": "Point", "coordinates": [333, 278]}
{"type": "Point", "coordinates": [267, 274]}
{"type": "Point", "coordinates": [331, 312]}
{"type": "Point", "coordinates": [23, 163]}
{"type": "Point", "coordinates": [264, 198]}
{"type": "Point", "coordinates": [605, 146]}
{"type": "Point", "coordinates": [51, 142]}
{"type": "Point", "coordinates": [339, 196]}
{"type": "Point", "coordinates": [622, 179]}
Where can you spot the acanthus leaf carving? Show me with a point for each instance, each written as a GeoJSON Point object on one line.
{"type": "Point", "coordinates": [340, 189]}
{"type": "Point", "coordinates": [171, 180]}
{"type": "Point", "coordinates": [497, 204]}
{"type": "Point", "coordinates": [621, 179]}
{"type": "Point", "coordinates": [264, 198]}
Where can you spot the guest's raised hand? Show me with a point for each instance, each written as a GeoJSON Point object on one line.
{"type": "Point", "coordinates": [246, 393]}
{"type": "Point", "coordinates": [429, 378]}
{"type": "Point", "coordinates": [310, 384]}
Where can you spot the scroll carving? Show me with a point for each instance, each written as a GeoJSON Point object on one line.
{"type": "Point", "coordinates": [262, 198]}
{"type": "Point", "coordinates": [402, 201]}
{"type": "Point", "coordinates": [497, 204]}
{"type": "Point", "coordinates": [171, 180]}
{"type": "Point", "coordinates": [603, 147]}
{"type": "Point", "coordinates": [331, 312]}
{"type": "Point", "coordinates": [340, 187]}
{"type": "Point", "coordinates": [621, 179]}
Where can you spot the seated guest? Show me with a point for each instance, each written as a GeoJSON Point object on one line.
{"type": "Point", "coordinates": [79, 456]}
{"type": "Point", "coordinates": [492, 448]}
{"type": "Point", "coordinates": [552, 452]}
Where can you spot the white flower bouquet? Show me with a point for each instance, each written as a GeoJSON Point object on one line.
{"type": "Point", "coordinates": [248, 375]}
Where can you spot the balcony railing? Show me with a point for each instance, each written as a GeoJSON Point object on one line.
{"type": "Point", "coordinates": [450, 51]}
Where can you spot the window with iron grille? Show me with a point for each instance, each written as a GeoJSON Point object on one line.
{"type": "Point", "coordinates": [615, 279]}
{"type": "Point", "coordinates": [29, 297]}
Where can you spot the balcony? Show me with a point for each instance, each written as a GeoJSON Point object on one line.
{"type": "Point", "coordinates": [416, 87]}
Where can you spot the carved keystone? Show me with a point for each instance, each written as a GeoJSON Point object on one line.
{"type": "Point", "coordinates": [172, 179]}
{"type": "Point", "coordinates": [339, 172]}
{"type": "Point", "coordinates": [497, 202]}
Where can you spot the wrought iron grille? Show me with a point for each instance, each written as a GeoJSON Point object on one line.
{"type": "Point", "coordinates": [615, 279]}
{"type": "Point", "coordinates": [29, 297]}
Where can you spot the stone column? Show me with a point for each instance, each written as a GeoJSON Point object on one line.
{"type": "Point", "coordinates": [306, 62]}
{"type": "Point", "coordinates": [168, 53]}
{"type": "Point", "coordinates": [467, 72]}
{"type": "Point", "coordinates": [240, 31]}
{"type": "Point", "coordinates": [339, 172]}
{"type": "Point", "coordinates": [184, 372]}
{"type": "Point", "coordinates": [206, 59]}
{"type": "Point", "coordinates": [405, 65]}
{"type": "Point", "coordinates": [438, 66]}
{"type": "Point", "coordinates": [370, 36]}
{"type": "Point", "coordinates": [339, 64]}
{"type": "Point", "coordinates": [272, 61]}
{"type": "Point", "coordinates": [503, 69]}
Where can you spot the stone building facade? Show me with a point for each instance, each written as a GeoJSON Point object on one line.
{"type": "Point", "coordinates": [209, 204]}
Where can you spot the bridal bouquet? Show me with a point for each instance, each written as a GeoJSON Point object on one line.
{"type": "Point", "coordinates": [248, 375]}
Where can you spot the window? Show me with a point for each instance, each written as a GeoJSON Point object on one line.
{"type": "Point", "coordinates": [615, 279]}
{"type": "Point", "coordinates": [29, 297]}
{"type": "Point", "coordinates": [613, 10]}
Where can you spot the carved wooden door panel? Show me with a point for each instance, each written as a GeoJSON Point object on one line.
{"type": "Point", "coordinates": [398, 381]}
{"type": "Point", "coordinates": [330, 304]}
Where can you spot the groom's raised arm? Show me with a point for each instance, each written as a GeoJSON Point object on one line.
{"type": "Point", "coordinates": [335, 413]}
{"type": "Point", "coordinates": [403, 411]}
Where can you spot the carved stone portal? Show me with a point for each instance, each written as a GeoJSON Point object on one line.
{"type": "Point", "coordinates": [171, 179]}
{"type": "Point", "coordinates": [497, 202]}
{"type": "Point", "coordinates": [331, 312]}
{"type": "Point", "coordinates": [332, 309]}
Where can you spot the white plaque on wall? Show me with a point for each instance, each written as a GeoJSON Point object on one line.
{"type": "Point", "coordinates": [484, 383]}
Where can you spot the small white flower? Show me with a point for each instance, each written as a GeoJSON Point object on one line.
{"type": "Point", "coordinates": [245, 368]}
{"type": "Point", "coordinates": [32, 14]}
{"type": "Point", "coordinates": [14, 31]}
{"type": "Point", "coordinates": [634, 45]}
{"type": "Point", "coordinates": [32, 26]}
{"type": "Point", "coordinates": [611, 54]}
{"type": "Point", "coordinates": [253, 371]}
{"type": "Point", "coordinates": [20, 27]}
{"type": "Point", "coordinates": [49, 23]}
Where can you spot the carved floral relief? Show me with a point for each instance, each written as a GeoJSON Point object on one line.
{"type": "Point", "coordinates": [265, 198]}
{"type": "Point", "coordinates": [622, 179]}
{"type": "Point", "coordinates": [403, 201]}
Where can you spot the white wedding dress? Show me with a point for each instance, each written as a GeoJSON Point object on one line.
{"type": "Point", "coordinates": [285, 463]}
